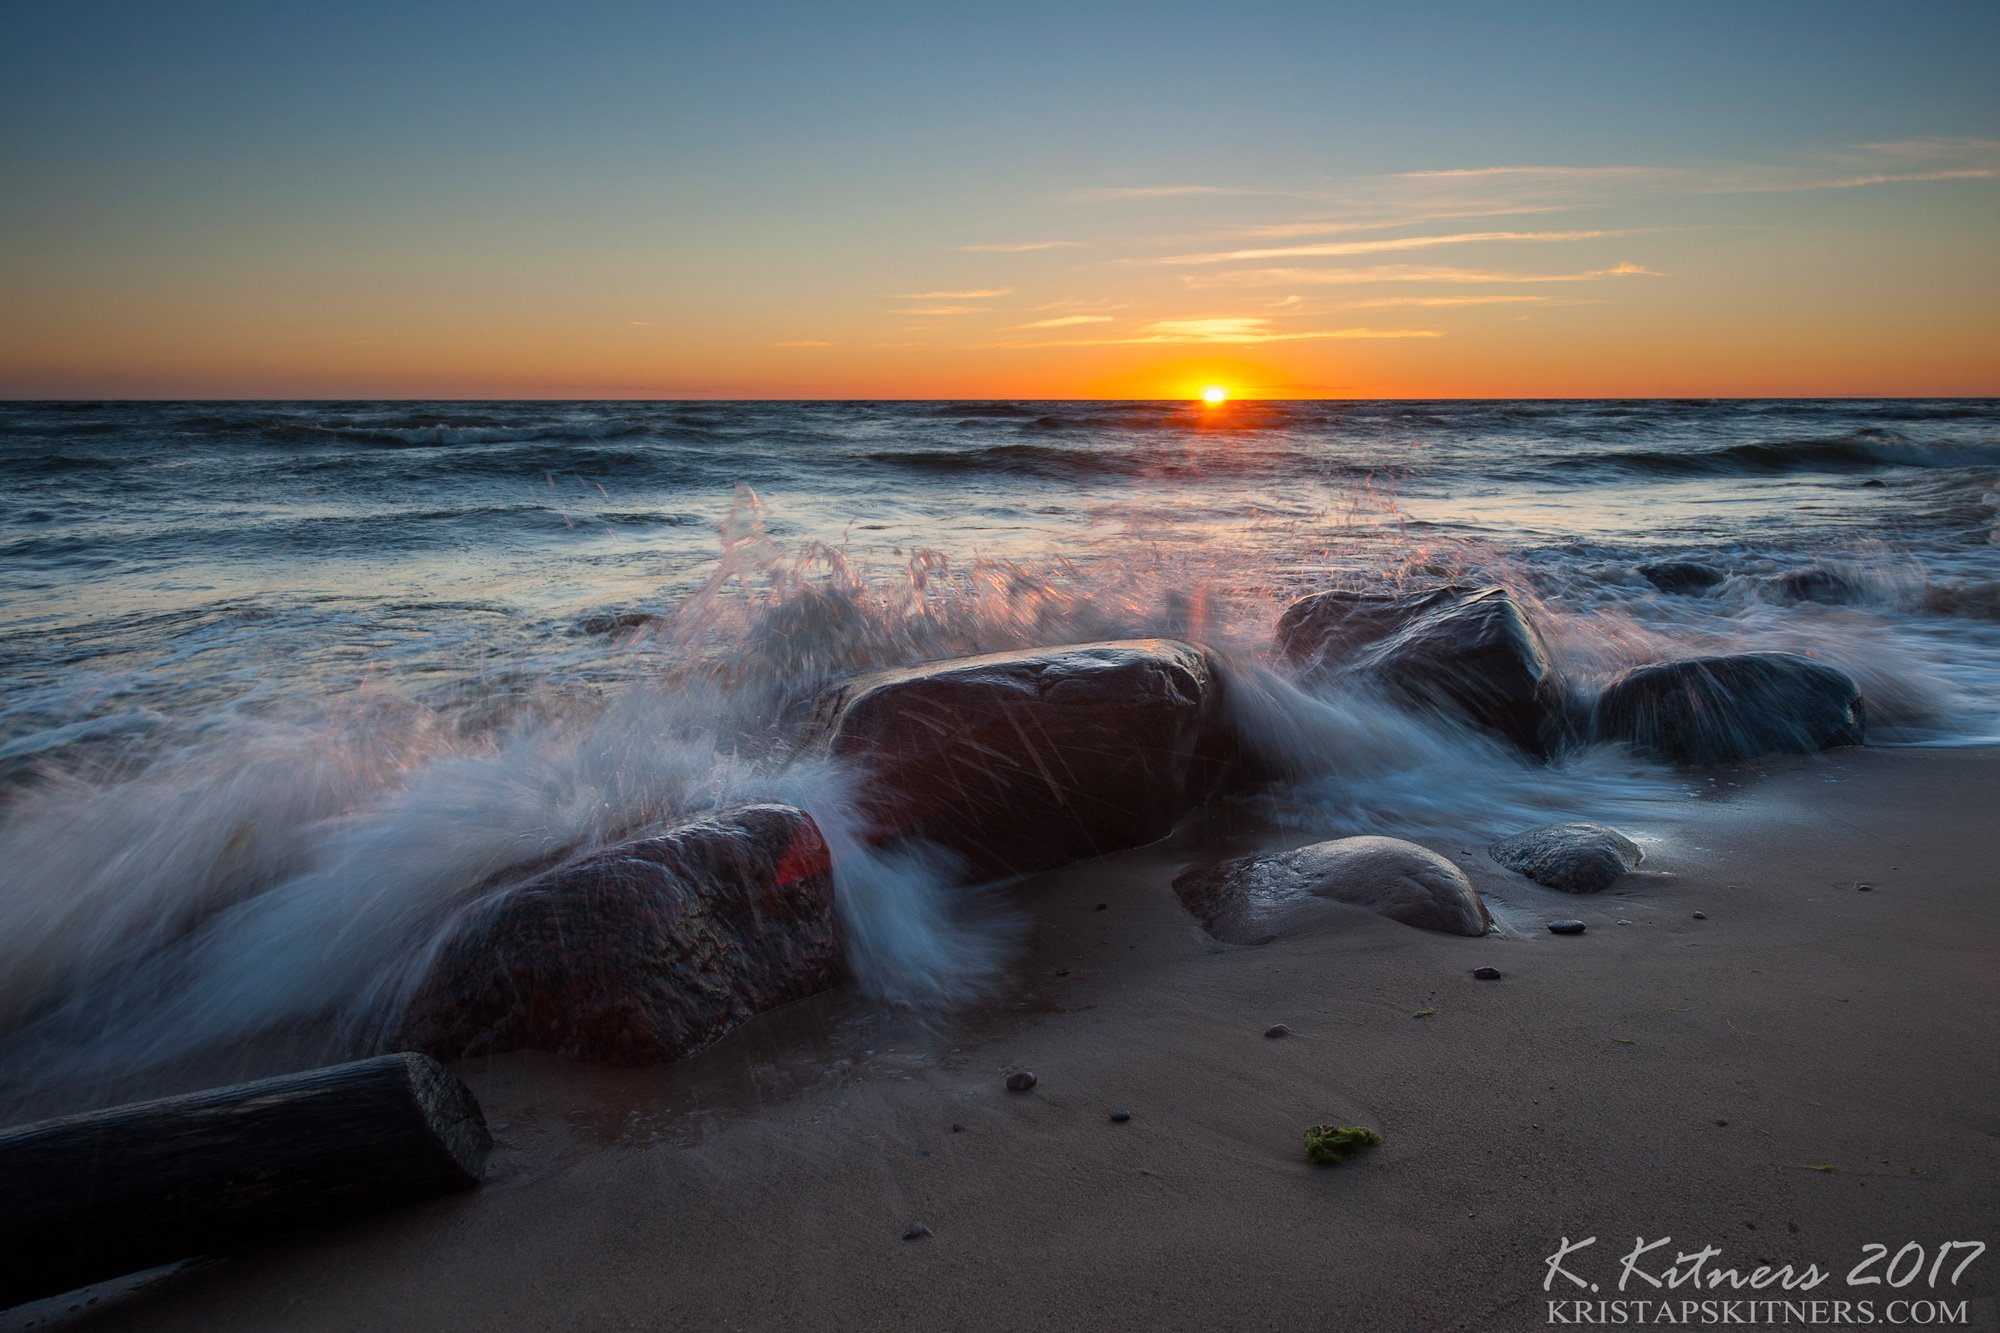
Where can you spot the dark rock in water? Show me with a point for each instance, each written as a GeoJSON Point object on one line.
{"type": "Point", "coordinates": [642, 953]}
{"type": "Point", "coordinates": [1021, 761]}
{"type": "Point", "coordinates": [1486, 973]}
{"type": "Point", "coordinates": [1576, 858]}
{"type": "Point", "coordinates": [1565, 927]}
{"type": "Point", "coordinates": [1874, 484]}
{"type": "Point", "coordinates": [1245, 901]}
{"type": "Point", "coordinates": [1690, 577]}
{"type": "Point", "coordinates": [1020, 1080]}
{"type": "Point", "coordinates": [1818, 585]}
{"type": "Point", "coordinates": [918, 1231]}
{"type": "Point", "coordinates": [1470, 652]}
{"type": "Point", "coordinates": [1120, 1117]}
{"type": "Point", "coordinates": [617, 622]}
{"type": "Point", "coordinates": [1717, 710]}
{"type": "Point", "coordinates": [1277, 1030]}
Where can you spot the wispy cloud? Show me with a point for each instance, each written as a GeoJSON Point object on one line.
{"type": "Point", "coordinates": [1079, 303]}
{"type": "Point", "coordinates": [1347, 226]}
{"type": "Point", "coordinates": [803, 342]}
{"type": "Point", "coordinates": [1394, 302]}
{"type": "Point", "coordinates": [978, 295]}
{"type": "Point", "coordinates": [1019, 247]}
{"type": "Point", "coordinates": [1117, 193]}
{"type": "Point", "coordinates": [1288, 277]}
{"type": "Point", "coordinates": [1854, 182]}
{"type": "Point", "coordinates": [1064, 321]}
{"type": "Point", "coordinates": [942, 310]}
{"type": "Point", "coordinates": [1225, 331]}
{"type": "Point", "coordinates": [1382, 245]}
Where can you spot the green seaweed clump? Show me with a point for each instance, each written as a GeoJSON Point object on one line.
{"type": "Point", "coordinates": [1330, 1145]}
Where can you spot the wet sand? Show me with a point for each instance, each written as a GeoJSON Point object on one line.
{"type": "Point", "coordinates": [1657, 1076]}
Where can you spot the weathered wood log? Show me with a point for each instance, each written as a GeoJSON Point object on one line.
{"type": "Point", "coordinates": [92, 1196]}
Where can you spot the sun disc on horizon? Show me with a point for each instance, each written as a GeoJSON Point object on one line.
{"type": "Point", "coordinates": [1214, 394]}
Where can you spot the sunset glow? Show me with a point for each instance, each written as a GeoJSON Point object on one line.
{"type": "Point", "coordinates": [546, 216]}
{"type": "Point", "coordinates": [1214, 394]}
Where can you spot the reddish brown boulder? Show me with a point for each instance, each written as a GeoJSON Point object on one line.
{"type": "Point", "coordinates": [1020, 761]}
{"type": "Point", "coordinates": [642, 953]}
{"type": "Point", "coordinates": [1470, 652]}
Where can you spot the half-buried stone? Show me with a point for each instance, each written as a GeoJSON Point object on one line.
{"type": "Point", "coordinates": [1016, 762]}
{"type": "Point", "coordinates": [1253, 899]}
{"type": "Point", "coordinates": [1719, 710]}
{"type": "Point", "coordinates": [1576, 858]}
{"type": "Point", "coordinates": [1470, 652]}
{"type": "Point", "coordinates": [640, 954]}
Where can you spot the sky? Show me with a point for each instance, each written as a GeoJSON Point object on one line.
{"type": "Point", "coordinates": [790, 200]}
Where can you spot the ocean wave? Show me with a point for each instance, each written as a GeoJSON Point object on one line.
{"type": "Point", "coordinates": [1851, 451]}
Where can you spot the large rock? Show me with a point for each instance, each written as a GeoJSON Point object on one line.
{"type": "Point", "coordinates": [1020, 761]}
{"type": "Point", "coordinates": [1688, 577]}
{"type": "Point", "coordinates": [642, 953]}
{"type": "Point", "coordinates": [1469, 652]}
{"type": "Point", "coordinates": [1717, 710]}
{"type": "Point", "coordinates": [1818, 584]}
{"type": "Point", "coordinates": [1248, 901]}
{"type": "Point", "coordinates": [1576, 858]}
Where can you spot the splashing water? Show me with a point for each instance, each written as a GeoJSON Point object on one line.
{"type": "Point", "coordinates": [226, 827]}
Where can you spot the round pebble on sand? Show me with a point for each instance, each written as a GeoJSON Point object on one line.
{"type": "Point", "coordinates": [1020, 1080]}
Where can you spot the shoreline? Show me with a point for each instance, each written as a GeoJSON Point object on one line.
{"type": "Point", "coordinates": [769, 1181]}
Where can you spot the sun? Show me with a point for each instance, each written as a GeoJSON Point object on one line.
{"type": "Point", "coordinates": [1214, 393]}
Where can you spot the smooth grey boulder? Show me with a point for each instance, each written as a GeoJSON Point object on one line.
{"type": "Point", "coordinates": [1469, 652]}
{"type": "Point", "coordinates": [1249, 900]}
{"type": "Point", "coordinates": [1719, 710]}
{"type": "Point", "coordinates": [1576, 858]}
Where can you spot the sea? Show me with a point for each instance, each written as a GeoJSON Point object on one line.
{"type": "Point", "coordinates": [284, 685]}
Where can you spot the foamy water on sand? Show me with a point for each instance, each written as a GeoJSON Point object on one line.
{"type": "Point", "coordinates": [286, 685]}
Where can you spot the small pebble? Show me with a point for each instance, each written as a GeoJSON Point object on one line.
{"type": "Point", "coordinates": [1277, 1030]}
{"type": "Point", "coordinates": [1865, 888]}
{"type": "Point", "coordinates": [1062, 971]}
{"type": "Point", "coordinates": [1120, 1117]}
{"type": "Point", "coordinates": [957, 1128]}
{"type": "Point", "coordinates": [1722, 1122]}
{"type": "Point", "coordinates": [1100, 907]}
{"type": "Point", "coordinates": [1486, 973]}
{"type": "Point", "coordinates": [917, 1231]}
{"type": "Point", "coordinates": [1566, 927]}
{"type": "Point", "coordinates": [1020, 1080]}
{"type": "Point", "coordinates": [1701, 916]}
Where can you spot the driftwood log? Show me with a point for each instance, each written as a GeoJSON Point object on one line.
{"type": "Point", "coordinates": [92, 1196]}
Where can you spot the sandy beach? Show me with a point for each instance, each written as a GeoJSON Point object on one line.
{"type": "Point", "coordinates": [1806, 1070]}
